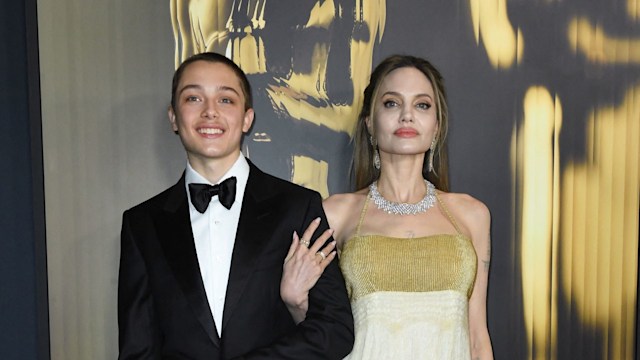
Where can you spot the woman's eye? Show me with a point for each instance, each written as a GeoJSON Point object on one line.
{"type": "Point", "coordinates": [390, 104]}
{"type": "Point", "coordinates": [424, 106]}
{"type": "Point", "coordinates": [191, 98]}
{"type": "Point", "coordinates": [226, 101]}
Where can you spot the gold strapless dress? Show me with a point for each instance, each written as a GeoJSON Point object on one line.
{"type": "Point", "coordinates": [410, 296]}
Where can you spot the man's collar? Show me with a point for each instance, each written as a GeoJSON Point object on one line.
{"type": "Point", "coordinates": [239, 169]}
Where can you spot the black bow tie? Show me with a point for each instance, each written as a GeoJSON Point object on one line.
{"type": "Point", "coordinates": [201, 194]}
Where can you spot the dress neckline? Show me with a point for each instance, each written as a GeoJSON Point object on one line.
{"type": "Point", "coordinates": [440, 204]}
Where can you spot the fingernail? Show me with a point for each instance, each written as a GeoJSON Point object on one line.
{"type": "Point", "coordinates": [331, 231]}
{"type": "Point", "coordinates": [317, 220]}
{"type": "Point", "coordinates": [295, 235]}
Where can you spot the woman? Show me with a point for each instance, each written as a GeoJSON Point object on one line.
{"type": "Point", "coordinates": [415, 258]}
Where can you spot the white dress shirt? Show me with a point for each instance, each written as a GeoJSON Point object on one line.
{"type": "Point", "coordinates": [214, 233]}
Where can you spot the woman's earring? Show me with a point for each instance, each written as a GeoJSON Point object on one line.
{"type": "Point", "coordinates": [376, 154]}
{"type": "Point", "coordinates": [432, 150]}
{"type": "Point", "coordinates": [376, 159]}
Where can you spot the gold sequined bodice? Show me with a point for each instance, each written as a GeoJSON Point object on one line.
{"type": "Point", "coordinates": [372, 263]}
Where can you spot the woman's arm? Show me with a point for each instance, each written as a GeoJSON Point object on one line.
{"type": "Point", "coordinates": [302, 267]}
{"type": "Point", "coordinates": [479, 223]}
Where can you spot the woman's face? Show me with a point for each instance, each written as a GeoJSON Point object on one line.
{"type": "Point", "coordinates": [404, 115]}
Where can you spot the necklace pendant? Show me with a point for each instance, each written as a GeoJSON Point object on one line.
{"type": "Point", "coordinates": [395, 208]}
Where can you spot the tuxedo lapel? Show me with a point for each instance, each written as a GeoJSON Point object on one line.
{"type": "Point", "coordinates": [254, 228]}
{"type": "Point", "coordinates": [176, 239]}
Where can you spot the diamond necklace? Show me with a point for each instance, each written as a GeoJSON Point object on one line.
{"type": "Point", "coordinates": [395, 208]}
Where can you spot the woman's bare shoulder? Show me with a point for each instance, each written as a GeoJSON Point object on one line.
{"type": "Point", "coordinates": [472, 214]}
{"type": "Point", "coordinates": [344, 203]}
{"type": "Point", "coordinates": [342, 211]}
{"type": "Point", "coordinates": [464, 203]}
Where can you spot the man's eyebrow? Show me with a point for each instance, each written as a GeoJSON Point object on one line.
{"type": "Point", "coordinates": [228, 88]}
{"type": "Point", "coordinates": [189, 86]}
{"type": "Point", "coordinates": [199, 87]}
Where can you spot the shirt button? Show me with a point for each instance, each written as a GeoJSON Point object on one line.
{"type": "Point", "coordinates": [217, 222]}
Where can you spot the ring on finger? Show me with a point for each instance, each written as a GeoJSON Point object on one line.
{"type": "Point", "coordinates": [305, 242]}
{"type": "Point", "coordinates": [322, 254]}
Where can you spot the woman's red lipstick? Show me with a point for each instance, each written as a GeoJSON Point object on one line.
{"type": "Point", "coordinates": [405, 132]}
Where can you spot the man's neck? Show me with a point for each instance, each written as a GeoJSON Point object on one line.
{"type": "Point", "coordinates": [213, 169]}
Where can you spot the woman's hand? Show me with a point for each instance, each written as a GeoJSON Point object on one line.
{"type": "Point", "coordinates": [302, 268]}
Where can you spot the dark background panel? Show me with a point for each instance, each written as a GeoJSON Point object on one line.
{"type": "Point", "coordinates": [23, 294]}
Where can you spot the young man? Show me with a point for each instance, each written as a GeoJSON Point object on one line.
{"type": "Point", "coordinates": [201, 265]}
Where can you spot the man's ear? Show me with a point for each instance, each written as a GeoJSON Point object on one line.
{"type": "Point", "coordinates": [248, 120]}
{"type": "Point", "coordinates": [172, 119]}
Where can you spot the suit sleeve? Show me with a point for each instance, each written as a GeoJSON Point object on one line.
{"type": "Point", "coordinates": [327, 331]}
{"type": "Point", "coordinates": [138, 333]}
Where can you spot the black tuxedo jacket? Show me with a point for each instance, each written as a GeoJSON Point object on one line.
{"type": "Point", "coordinates": [163, 311]}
